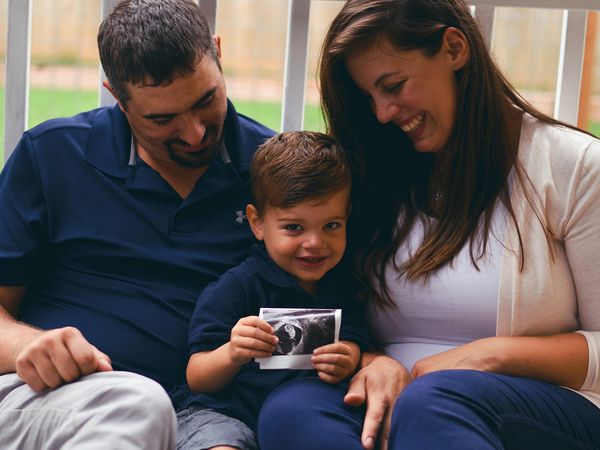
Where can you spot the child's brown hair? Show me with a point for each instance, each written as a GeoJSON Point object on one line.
{"type": "Point", "coordinates": [295, 166]}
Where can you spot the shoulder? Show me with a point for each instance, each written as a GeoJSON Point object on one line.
{"type": "Point", "coordinates": [548, 150]}
{"type": "Point", "coordinates": [235, 281]}
{"type": "Point", "coordinates": [254, 128]}
{"type": "Point", "coordinates": [563, 165]}
{"type": "Point", "coordinates": [243, 136]}
{"type": "Point", "coordinates": [55, 137]}
{"type": "Point", "coordinates": [55, 128]}
{"type": "Point", "coordinates": [99, 139]}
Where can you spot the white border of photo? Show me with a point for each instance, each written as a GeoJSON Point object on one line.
{"type": "Point", "coordinates": [295, 362]}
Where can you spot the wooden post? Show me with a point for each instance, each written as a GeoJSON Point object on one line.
{"type": "Point", "coordinates": [587, 75]}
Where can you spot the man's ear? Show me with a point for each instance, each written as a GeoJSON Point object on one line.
{"type": "Point", "coordinates": [217, 41]}
{"type": "Point", "coordinates": [256, 224]}
{"type": "Point", "coordinates": [110, 89]}
{"type": "Point", "coordinates": [456, 45]}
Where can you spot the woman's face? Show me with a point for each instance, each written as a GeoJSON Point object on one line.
{"type": "Point", "coordinates": [415, 92]}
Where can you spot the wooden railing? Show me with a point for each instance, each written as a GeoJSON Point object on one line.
{"type": "Point", "coordinates": [566, 98]}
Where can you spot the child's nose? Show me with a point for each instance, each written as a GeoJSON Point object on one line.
{"type": "Point", "coordinates": [314, 240]}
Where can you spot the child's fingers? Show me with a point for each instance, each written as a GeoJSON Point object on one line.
{"type": "Point", "coordinates": [336, 347]}
{"type": "Point", "coordinates": [327, 378]}
{"type": "Point", "coordinates": [242, 355]}
{"type": "Point", "coordinates": [242, 350]}
{"type": "Point", "coordinates": [329, 369]}
{"type": "Point", "coordinates": [331, 365]}
{"type": "Point", "coordinates": [254, 328]}
{"type": "Point", "coordinates": [257, 322]}
{"type": "Point", "coordinates": [333, 359]}
{"type": "Point", "coordinates": [251, 343]}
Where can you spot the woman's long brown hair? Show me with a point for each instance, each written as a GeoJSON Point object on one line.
{"type": "Point", "coordinates": [392, 179]}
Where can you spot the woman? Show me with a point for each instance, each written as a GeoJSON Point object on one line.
{"type": "Point", "coordinates": [477, 235]}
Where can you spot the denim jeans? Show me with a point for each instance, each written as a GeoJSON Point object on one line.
{"type": "Point", "coordinates": [457, 409]}
{"type": "Point", "coordinates": [467, 409]}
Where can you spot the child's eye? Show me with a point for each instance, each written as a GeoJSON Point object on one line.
{"type": "Point", "coordinates": [292, 227]}
{"type": "Point", "coordinates": [332, 225]}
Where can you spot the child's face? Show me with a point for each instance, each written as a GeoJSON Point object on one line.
{"type": "Point", "coordinates": [306, 240]}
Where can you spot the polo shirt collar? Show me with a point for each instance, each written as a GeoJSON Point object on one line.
{"type": "Point", "coordinates": [263, 266]}
{"type": "Point", "coordinates": [110, 143]}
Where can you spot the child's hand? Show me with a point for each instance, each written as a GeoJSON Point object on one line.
{"type": "Point", "coordinates": [334, 362]}
{"type": "Point", "coordinates": [251, 337]}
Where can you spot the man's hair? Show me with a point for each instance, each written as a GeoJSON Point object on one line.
{"type": "Point", "coordinates": [295, 166]}
{"type": "Point", "coordinates": [151, 41]}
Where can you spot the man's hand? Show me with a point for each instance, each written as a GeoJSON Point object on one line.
{"type": "Point", "coordinates": [335, 362]}
{"type": "Point", "coordinates": [251, 337]}
{"type": "Point", "coordinates": [58, 356]}
{"type": "Point", "coordinates": [378, 384]}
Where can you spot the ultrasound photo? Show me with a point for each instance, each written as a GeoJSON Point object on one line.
{"type": "Point", "coordinates": [300, 331]}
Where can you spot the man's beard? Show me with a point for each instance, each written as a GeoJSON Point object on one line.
{"type": "Point", "coordinates": [193, 160]}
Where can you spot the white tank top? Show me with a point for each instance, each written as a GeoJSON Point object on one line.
{"type": "Point", "coordinates": [458, 304]}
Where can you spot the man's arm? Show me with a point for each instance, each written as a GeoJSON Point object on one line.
{"type": "Point", "coordinates": [12, 333]}
{"type": "Point", "coordinates": [43, 359]}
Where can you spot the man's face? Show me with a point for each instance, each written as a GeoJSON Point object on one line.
{"type": "Point", "coordinates": [181, 122]}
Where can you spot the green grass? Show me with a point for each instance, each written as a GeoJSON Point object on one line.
{"type": "Point", "coordinates": [269, 113]}
{"type": "Point", "coordinates": [45, 104]}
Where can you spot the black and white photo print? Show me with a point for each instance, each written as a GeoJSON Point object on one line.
{"type": "Point", "coordinates": [300, 331]}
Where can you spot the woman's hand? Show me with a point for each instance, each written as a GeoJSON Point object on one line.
{"type": "Point", "coordinates": [482, 354]}
{"type": "Point", "coordinates": [378, 383]}
{"type": "Point", "coordinates": [335, 362]}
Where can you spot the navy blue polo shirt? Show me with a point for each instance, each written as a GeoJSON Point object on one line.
{"type": "Point", "coordinates": [104, 244]}
{"type": "Point", "coordinates": [242, 291]}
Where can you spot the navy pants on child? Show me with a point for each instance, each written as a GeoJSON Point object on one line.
{"type": "Point", "coordinates": [452, 409]}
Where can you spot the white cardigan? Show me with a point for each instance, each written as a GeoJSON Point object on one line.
{"type": "Point", "coordinates": [558, 293]}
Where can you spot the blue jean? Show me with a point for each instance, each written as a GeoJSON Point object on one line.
{"type": "Point", "coordinates": [307, 413]}
{"type": "Point", "coordinates": [454, 409]}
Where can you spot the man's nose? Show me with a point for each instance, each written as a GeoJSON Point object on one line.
{"type": "Point", "coordinates": [191, 129]}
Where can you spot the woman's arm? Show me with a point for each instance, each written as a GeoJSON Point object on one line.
{"type": "Point", "coordinates": [43, 358]}
{"type": "Point", "coordinates": [572, 209]}
{"type": "Point", "coordinates": [560, 359]}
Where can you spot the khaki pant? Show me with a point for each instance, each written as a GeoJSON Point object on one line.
{"type": "Point", "coordinates": [107, 410]}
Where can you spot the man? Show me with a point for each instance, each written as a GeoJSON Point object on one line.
{"type": "Point", "coordinates": [111, 224]}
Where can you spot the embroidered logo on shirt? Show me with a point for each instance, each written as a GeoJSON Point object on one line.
{"type": "Point", "coordinates": [240, 216]}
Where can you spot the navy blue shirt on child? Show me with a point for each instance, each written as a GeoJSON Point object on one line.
{"type": "Point", "coordinates": [104, 244]}
{"type": "Point", "coordinates": [259, 283]}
